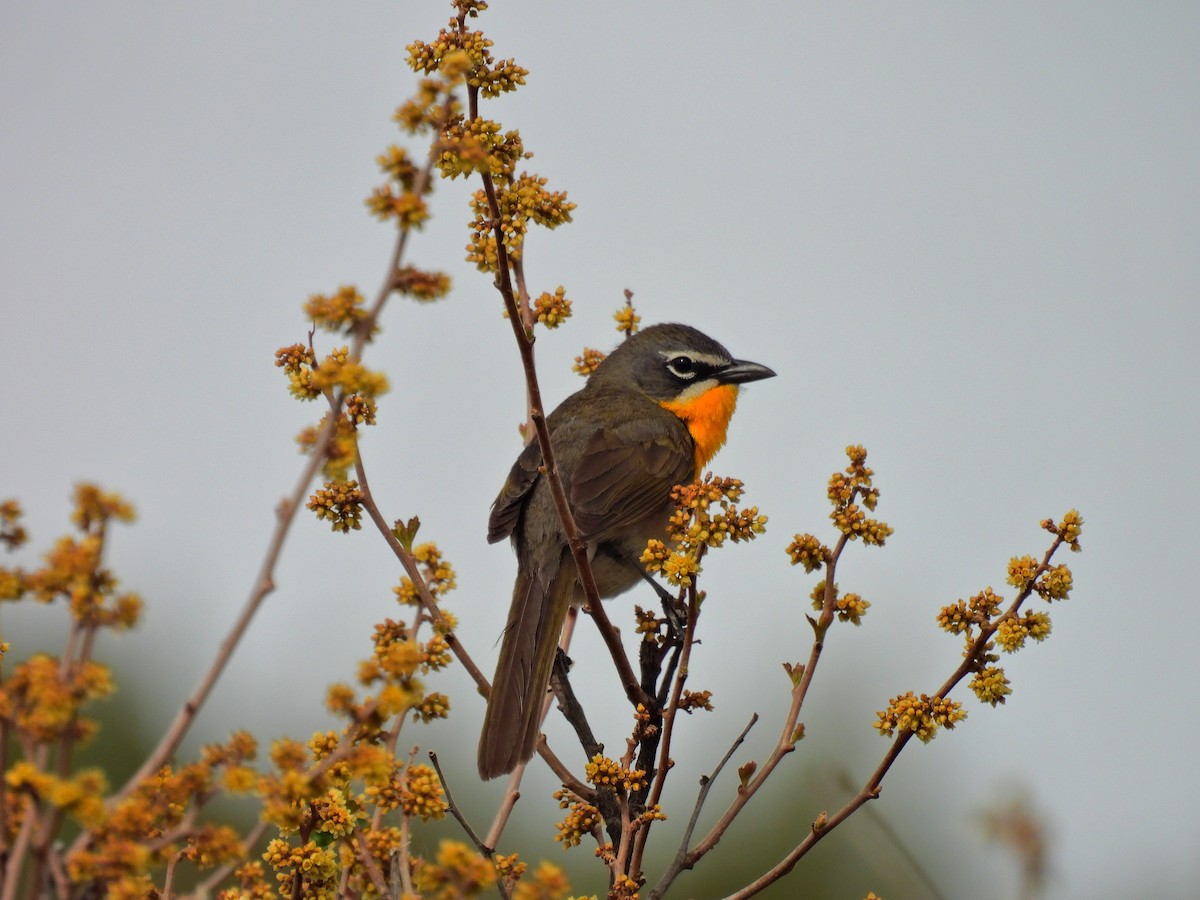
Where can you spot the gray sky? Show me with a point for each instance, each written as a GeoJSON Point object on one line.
{"type": "Point", "coordinates": [964, 235]}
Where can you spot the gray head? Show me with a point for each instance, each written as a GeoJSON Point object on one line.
{"type": "Point", "coordinates": [669, 360]}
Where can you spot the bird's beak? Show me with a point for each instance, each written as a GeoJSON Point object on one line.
{"type": "Point", "coordinates": [740, 371]}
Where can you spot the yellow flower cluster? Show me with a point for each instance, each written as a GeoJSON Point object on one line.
{"type": "Point", "coordinates": [427, 58]}
{"type": "Point", "coordinates": [552, 310]}
{"type": "Point", "coordinates": [848, 607]}
{"type": "Point", "coordinates": [339, 311]}
{"type": "Point", "coordinates": [1055, 584]}
{"type": "Point", "coordinates": [1021, 571]}
{"type": "Point", "coordinates": [333, 814]}
{"type": "Point", "coordinates": [342, 449]}
{"type": "Point", "coordinates": [43, 701]}
{"type": "Point", "coordinates": [582, 818]}
{"type": "Point", "coordinates": [470, 146]}
{"type": "Point", "coordinates": [521, 200]}
{"type": "Point", "coordinates": [1068, 529]}
{"type": "Point", "coordinates": [502, 77]}
{"type": "Point", "coordinates": [805, 550]}
{"type": "Point", "coordinates": [923, 715]}
{"type": "Point", "coordinates": [433, 706]}
{"type": "Point", "coordinates": [705, 516]}
{"type": "Point", "coordinates": [308, 870]}
{"type": "Point", "coordinates": [624, 888]}
{"type": "Point", "coordinates": [604, 772]}
{"type": "Point", "coordinates": [297, 361]}
{"type": "Point", "coordinates": [359, 410]}
{"type": "Point", "coordinates": [12, 532]}
{"type": "Point", "coordinates": [340, 503]}
{"type": "Point", "coordinates": [340, 370]}
{"type": "Point", "coordinates": [962, 616]}
{"type": "Point", "coordinates": [439, 575]}
{"type": "Point", "coordinates": [422, 795]}
{"type": "Point", "coordinates": [548, 882]}
{"type": "Point", "coordinates": [126, 842]}
{"type": "Point", "coordinates": [422, 286]}
{"type": "Point", "coordinates": [396, 164]}
{"type": "Point", "coordinates": [1012, 630]}
{"type": "Point", "coordinates": [456, 872]}
{"type": "Point", "coordinates": [587, 362]}
{"type": "Point", "coordinates": [406, 207]}
{"type": "Point", "coordinates": [693, 700]}
{"type": "Point", "coordinates": [990, 685]}
{"type": "Point", "coordinates": [851, 483]}
{"type": "Point", "coordinates": [94, 508]}
{"type": "Point", "coordinates": [429, 107]}
{"type": "Point", "coordinates": [307, 380]}
{"type": "Point", "coordinates": [627, 319]}
{"type": "Point", "coordinates": [648, 625]}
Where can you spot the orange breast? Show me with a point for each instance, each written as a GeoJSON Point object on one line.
{"type": "Point", "coordinates": [707, 417]}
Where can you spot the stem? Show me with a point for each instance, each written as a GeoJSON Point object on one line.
{"type": "Point", "coordinates": [487, 851]}
{"type": "Point", "coordinates": [523, 333]}
{"type": "Point", "coordinates": [706, 783]}
{"type": "Point", "coordinates": [368, 861]}
{"type": "Point", "coordinates": [873, 786]}
{"type": "Point", "coordinates": [669, 716]}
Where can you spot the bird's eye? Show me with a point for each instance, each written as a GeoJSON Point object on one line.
{"type": "Point", "coordinates": [682, 367]}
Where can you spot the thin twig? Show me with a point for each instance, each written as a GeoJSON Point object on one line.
{"type": "Point", "coordinates": [209, 884]}
{"type": "Point", "coordinates": [706, 783]}
{"type": "Point", "coordinates": [523, 333]}
{"type": "Point", "coordinates": [487, 851]}
{"type": "Point", "coordinates": [264, 583]}
{"type": "Point", "coordinates": [368, 861]}
{"type": "Point", "coordinates": [873, 786]}
{"type": "Point", "coordinates": [669, 716]}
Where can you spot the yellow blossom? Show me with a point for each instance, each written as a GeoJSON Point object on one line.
{"type": "Point", "coordinates": [552, 310]}
{"type": "Point", "coordinates": [586, 362]}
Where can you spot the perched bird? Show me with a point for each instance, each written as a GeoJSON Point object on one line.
{"type": "Point", "coordinates": [649, 418]}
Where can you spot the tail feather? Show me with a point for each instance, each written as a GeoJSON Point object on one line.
{"type": "Point", "coordinates": [513, 719]}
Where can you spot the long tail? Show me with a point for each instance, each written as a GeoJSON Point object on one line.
{"type": "Point", "coordinates": [514, 710]}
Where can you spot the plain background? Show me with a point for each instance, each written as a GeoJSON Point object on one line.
{"type": "Point", "coordinates": [964, 236]}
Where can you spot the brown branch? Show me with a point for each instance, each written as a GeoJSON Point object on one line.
{"type": "Point", "coordinates": [285, 514]}
{"type": "Point", "coordinates": [19, 847]}
{"type": "Point", "coordinates": [669, 715]}
{"type": "Point", "coordinates": [523, 333]}
{"type": "Point", "coordinates": [209, 884]}
{"type": "Point", "coordinates": [364, 854]}
{"type": "Point", "coordinates": [409, 563]}
{"type": "Point", "coordinates": [706, 783]}
{"type": "Point", "coordinates": [487, 851]}
{"type": "Point", "coordinates": [871, 790]}
{"type": "Point", "coordinates": [786, 742]}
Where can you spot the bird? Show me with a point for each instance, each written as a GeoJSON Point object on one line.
{"type": "Point", "coordinates": [650, 417]}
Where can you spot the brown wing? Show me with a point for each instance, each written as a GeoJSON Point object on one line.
{"type": "Point", "coordinates": [506, 509]}
{"type": "Point", "coordinates": [626, 471]}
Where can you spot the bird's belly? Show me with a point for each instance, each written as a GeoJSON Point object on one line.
{"type": "Point", "coordinates": [616, 572]}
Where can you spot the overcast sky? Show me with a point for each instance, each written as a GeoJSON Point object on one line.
{"type": "Point", "coordinates": [963, 235]}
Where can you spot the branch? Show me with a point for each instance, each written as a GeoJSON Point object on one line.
{"type": "Point", "coordinates": [873, 786]}
{"type": "Point", "coordinates": [669, 716]}
{"type": "Point", "coordinates": [285, 514]}
{"type": "Point", "coordinates": [523, 333]}
{"type": "Point", "coordinates": [706, 782]}
{"type": "Point", "coordinates": [489, 852]}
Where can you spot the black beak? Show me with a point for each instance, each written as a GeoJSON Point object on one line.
{"type": "Point", "coordinates": [740, 371]}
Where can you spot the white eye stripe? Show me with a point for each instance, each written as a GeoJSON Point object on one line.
{"type": "Point", "coordinates": [675, 370]}
{"type": "Point", "coordinates": [708, 359]}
